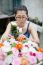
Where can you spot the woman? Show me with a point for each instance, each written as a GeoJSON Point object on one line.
{"type": "Point", "coordinates": [21, 16]}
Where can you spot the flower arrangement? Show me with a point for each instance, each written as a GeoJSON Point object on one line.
{"type": "Point", "coordinates": [23, 52]}
{"type": "Point", "coordinates": [1, 45]}
{"type": "Point", "coordinates": [20, 51]}
{"type": "Point", "coordinates": [2, 55]}
{"type": "Point", "coordinates": [30, 54]}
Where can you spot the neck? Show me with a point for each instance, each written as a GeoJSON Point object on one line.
{"type": "Point", "coordinates": [21, 26]}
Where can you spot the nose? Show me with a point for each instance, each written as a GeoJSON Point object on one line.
{"type": "Point", "coordinates": [21, 18]}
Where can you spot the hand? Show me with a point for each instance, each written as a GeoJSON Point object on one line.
{"type": "Point", "coordinates": [10, 36]}
{"type": "Point", "coordinates": [33, 40]}
{"type": "Point", "coordinates": [33, 43]}
{"type": "Point", "coordinates": [5, 37]}
{"type": "Point", "coordinates": [30, 39]}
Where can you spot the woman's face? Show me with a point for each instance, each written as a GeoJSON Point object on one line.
{"type": "Point", "coordinates": [21, 18]}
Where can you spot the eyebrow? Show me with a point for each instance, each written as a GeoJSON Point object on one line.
{"type": "Point", "coordinates": [20, 15]}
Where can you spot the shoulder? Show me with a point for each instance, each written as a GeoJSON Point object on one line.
{"type": "Point", "coordinates": [31, 26]}
{"type": "Point", "coordinates": [9, 24]}
{"type": "Point", "coordinates": [27, 22]}
{"type": "Point", "coordinates": [12, 22]}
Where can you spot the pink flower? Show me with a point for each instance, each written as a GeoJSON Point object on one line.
{"type": "Point", "coordinates": [15, 51]}
{"type": "Point", "coordinates": [32, 59]}
{"type": "Point", "coordinates": [34, 54]}
{"type": "Point", "coordinates": [31, 53]}
{"type": "Point", "coordinates": [16, 61]}
{"type": "Point", "coordinates": [39, 56]}
{"type": "Point", "coordinates": [1, 62]}
{"type": "Point", "coordinates": [2, 55]}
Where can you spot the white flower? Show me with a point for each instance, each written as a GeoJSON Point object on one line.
{"type": "Point", "coordinates": [6, 47]}
{"type": "Point", "coordinates": [20, 30]}
{"type": "Point", "coordinates": [25, 50]}
{"type": "Point", "coordinates": [6, 43]}
{"type": "Point", "coordinates": [12, 40]}
{"type": "Point", "coordinates": [33, 44]}
{"type": "Point", "coordinates": [8, 59]}
{"type": "Point", "coordinates": [13, 23]}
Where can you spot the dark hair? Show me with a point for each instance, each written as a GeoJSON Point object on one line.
{"type": "Point", "coordinates": [22, 7]}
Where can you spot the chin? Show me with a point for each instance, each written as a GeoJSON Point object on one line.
{"type": "Point", "coordinates": [21, 25]}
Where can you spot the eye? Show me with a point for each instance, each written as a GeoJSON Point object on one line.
{"type": "Point", "coordinates": [18, 17]}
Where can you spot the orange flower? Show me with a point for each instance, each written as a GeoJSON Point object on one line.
{"type": "Point", "coordinates": [24, 61]}
{"type": "Point", "coordinates": [40, 49]}
{"type": "Point", "coordinates": [21, 38]}
{"type": "Point", "coordinates": [1, 45]}
{"type": "Point", "coordinates": [19, 45]}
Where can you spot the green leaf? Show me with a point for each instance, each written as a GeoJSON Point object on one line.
{"type": "Point", "coordinates": [14, 31]}
{"type": "Point", "coordinates": [13, 45]}
{"type": "Point", "coordinates": [10, 52]}
{"type": "Point", "coordinates": [42, 64]}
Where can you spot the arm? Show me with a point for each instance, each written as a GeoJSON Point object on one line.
{"type": "Point", "coordinates": [7, 31]}
{"type": "Point", "coordinates": [34, 34]}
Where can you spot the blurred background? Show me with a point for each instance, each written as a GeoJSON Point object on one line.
{"type": "Point", "coordinates": [35, 9]}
